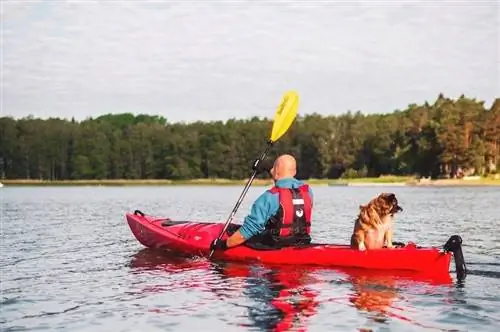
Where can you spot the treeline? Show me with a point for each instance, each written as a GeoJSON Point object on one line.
{"type": "Point", "coordinates": [445, 139]}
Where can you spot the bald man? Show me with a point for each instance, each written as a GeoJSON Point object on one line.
{"type": "Point", "coordinates": [281, 216]}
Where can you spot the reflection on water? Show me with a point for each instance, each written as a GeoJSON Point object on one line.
{"type": "Point", "coordinates": [281, 298]}
{"type": "Point", "coordinates": [70, 263]}
{"type": "Point", "coordinates": [373, 294]}
{"type": "Point", "coordinates": [284, 297]}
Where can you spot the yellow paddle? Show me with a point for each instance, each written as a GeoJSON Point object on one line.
{"type": "Point", "coordinates": [285, 114]}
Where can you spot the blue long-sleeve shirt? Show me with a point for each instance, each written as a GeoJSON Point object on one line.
{"type": "Point", "coordinates": [266, 206]}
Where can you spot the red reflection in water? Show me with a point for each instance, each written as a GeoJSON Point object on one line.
{"type": "Point", "coordinates": [293, 298]}
{"type": "Point", "coordinates": [376, 292]}
{"type": "Point", "coordinates": [290, 286]}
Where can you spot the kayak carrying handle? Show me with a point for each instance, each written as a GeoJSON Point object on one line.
{"type": "Point", "coordinates": [138, 212]}
{"type": "Point", "coordinates": [454, 245]}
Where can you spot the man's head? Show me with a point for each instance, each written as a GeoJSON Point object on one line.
{"type": "Point", "coordinates": [284, 166]}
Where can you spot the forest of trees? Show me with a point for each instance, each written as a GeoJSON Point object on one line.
{"type": "Point", "coordinates": [439, 140]}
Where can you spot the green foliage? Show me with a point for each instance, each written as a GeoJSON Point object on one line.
{"type": "Point", "coordinates": [445, 139]}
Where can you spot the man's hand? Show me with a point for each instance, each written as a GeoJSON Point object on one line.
{"type": "Point", "coordinates": [218, 244]}
{"type": "Point", "coordinates": [263, 167]}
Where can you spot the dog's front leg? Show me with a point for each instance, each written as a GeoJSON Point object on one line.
{"type": "Point", "coordinates": [358, 240]}
{"type": "Point", "coordinates": [360, 237]}
{"type": "Point", "coordinates": [388, 238]}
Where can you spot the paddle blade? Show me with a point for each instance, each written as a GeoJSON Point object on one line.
{"type": "Point", "coordinates": [285, 114]}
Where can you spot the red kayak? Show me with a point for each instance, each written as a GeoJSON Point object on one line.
{"type": "Point", "coordinates": [190, 238]}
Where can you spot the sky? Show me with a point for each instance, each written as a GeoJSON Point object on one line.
{"type": "Point", "coordinates": [214, 60]}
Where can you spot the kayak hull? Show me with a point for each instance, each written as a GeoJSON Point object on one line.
{"type": "Point", "coordinates": [188, 238]}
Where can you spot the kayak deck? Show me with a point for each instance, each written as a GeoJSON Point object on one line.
{"type": "Point", "coordinates": [188, 238]}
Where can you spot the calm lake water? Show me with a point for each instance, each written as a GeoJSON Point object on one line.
{"type": "Point", "coordinates": [70, 263]}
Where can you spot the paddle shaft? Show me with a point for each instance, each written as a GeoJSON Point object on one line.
{"type": "Point", "coordinates": [245, 190]}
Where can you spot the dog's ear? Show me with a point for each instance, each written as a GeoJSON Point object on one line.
{"type": "Point", "coordinates": [385, 196]}
{"type": "Point", "coordinates": [388, 196]}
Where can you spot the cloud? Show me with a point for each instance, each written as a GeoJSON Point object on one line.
{"type": "Point", "coordinates": [189, 61]}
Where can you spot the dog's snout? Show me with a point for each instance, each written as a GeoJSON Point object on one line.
{"type": "Point", "coordinates": [396, 208]}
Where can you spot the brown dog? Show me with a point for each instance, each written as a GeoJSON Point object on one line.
{"type": "Point", "coordinates": [373, 227]}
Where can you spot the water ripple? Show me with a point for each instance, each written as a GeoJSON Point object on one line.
{"type": "Point", "coordinates": [69, 262]}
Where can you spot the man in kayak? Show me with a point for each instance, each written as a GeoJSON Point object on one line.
{"type": "Point", "coordinates": [281, 216]}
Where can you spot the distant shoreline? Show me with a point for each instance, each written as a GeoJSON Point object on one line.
{"type": "Point", "coordinates": [381, 181]}
{"type": "Point", "coordinates": [413, 182]}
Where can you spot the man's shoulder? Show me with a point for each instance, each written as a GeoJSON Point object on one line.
{"type": "Point", "coordinates": [267, 201]}
{"type": "Point", "coordinates": [267, 195]}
